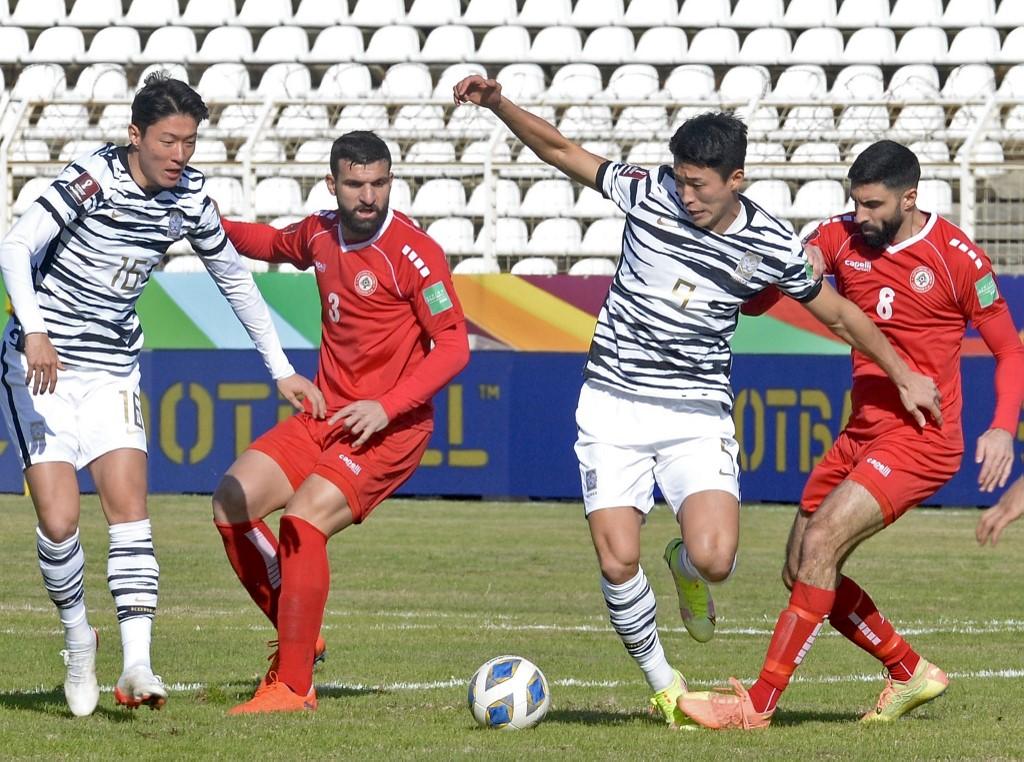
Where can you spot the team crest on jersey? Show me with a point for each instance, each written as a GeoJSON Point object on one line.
{"type": "Point", "coordinates": [922, 279]}
{"type": "Point", "coordinates": [747, 267]}
{"type": "Point", "coordinates": [590, 481]}
{"type": "Point", "coordinates": [366, 282]}
{"type": "Point", "coordinates": [174, 224]}
{"type": "Point", "coordinates": [83, 187]}
{"type": "Point", "coordinates": [321, 267]}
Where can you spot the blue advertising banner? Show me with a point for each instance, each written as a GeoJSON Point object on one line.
{"type": "Point", "coordinates": [505, 427]}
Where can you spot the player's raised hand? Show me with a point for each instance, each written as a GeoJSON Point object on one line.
{"type": "Point", "coordinates": [363, 418]}
{"type": "Point", "coordinates": [1009, 508]}
{"type": "Point", "coordinates": [296, 388]}
{"type": "Point", "coordinates": [920, 395]}
{"type": "Point", "coordinates": [43, 363]}
{"type": "Point", "coordinates": [478, 91]}
{"type": "Point", "coordinates": [995, 454]}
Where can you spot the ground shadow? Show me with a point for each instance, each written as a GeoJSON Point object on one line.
{"type": "Point", "coordinates": [53, 703]}
{"type": "Point", "coordinates": [787, 718]}
{"type": "Point", "coordinates": [594, 717]}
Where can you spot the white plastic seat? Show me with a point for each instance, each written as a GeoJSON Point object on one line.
{"type": "Point", "coordinates": [714, 46]}
{"type": "Point", "coordinates": [209, 152]}
{"type": "Point", "coordinates": [393, 43]}
{"type": "Point", "coordinates": [31, 150]}
{"type": "Point", "coordinates": [522, 81]}
{"type": "Point", "coordinates": [122, 39]}
{"type": "Point", "coordinates": [772, 195]}
{"type": "Point", "coordinates": [545, 13]}
{"type": "Point", "coordinates": [592, 205]}
{"type": "Point", "coordinates": [534, 266]}
{"type": "Point", "coordinates": [745, 83]}
{"type": "Point", "coordinates": [651, 13]}
{"type": "Point", "coordinates": [964, 13]}
{"type": "Point", "coordinates": [585, 121]}
{"type": "Point", "coordinates": [649, 153]}
{"type": "Point", "coordinates": [762, 120]}
{"type": "Point", "coordinates": [765, 46]}
{"type": "Point", "coordinates": [504, 43]}
{"type": "Point", "coordinates": [454, 234]}
{"type": "Point", "coordinates": [472, 122]}
{"type": "Point", "coordinates": [592, 266]}
{"type": "Point", "coordinates": [580, 82]}
{"type": "Point", "coordinates": [609, 44]}
{"type": "Point", "coordinates": [809, 13]}
{"type": "Point", "coordinates": [113, 122]}
{"type": "Point", "coordinates": [407, 81]}
{"type": "Point", "coordinates": [603, 237]}
{"type": "Point", "coordinates": [267, 152]}
{"type": "Point", "coordinates": [556, 44]}
{"type": "Point", "coordinates": [377, 13]}
{"type": "Point", "coordinates": [285, 80]}
{"type": "Point", "coordinates": [861, 82]}
{"type": "Point", "coordinates": [814, 160]}
{"type": "Point", "coordinates": [817, 199]}
{"type": "Point", "coordinates": [801, 121]}
{"type": "Point", "coordinates": [33, 188]}
{"type": "Point", "coordinates": [975, 44]}
{"type": "Point", "coordinates": [37, 13]}
{"type": "Point", "coordinates": [320, 13]}
{"type": "Point", "coordinates": [490, 13]}
{"type": "Point", "coordinates": [661, 45]}
{"type": "Point", "coordinates": [632, 82]}
{"type": "Point", "coordinates": [704, 13]}
{"type": "Point", "coordinates": [225, 44]}
{"type": "Point", "coordinates": [434, 13]}
{"type": "Point", "coordinates": [431, 152]}
{"type": "Point", "coordinates": [1012, 85]}
{"type": "Point", "coordinates": [319, 198]}
{"type": "Point", "coordinates": [555, 236]}
{"type": "Point", "coordinates": [150, 14]}
{"type": "Point", "coordinates": [1012, 45]}
{"type": "Point", "coordinates": [302, 121]}
{"type": "Point", "coordinates": [509, 235]}
{"type": "Point", "coordinates": [801, 82]}
{"type": "Point", "coordinates": [506, 199]}
{"type": "Point", "coordinates": [916, 82]}
{"type": "Point", "coordinates": [61, 120]}
{"type": "Point", "coordinates": [451, 42]}
{"type": "Point", "coordinates": [1009, 15]}
{"type": "Point", "coordinates": [238, 118]}
{"type": "Point", "coordinates": [185, 263]}
{"type": "Point", "coordinates": [208, 14]}
{"type": "Point", "coordinates": [855, 121]}
{"type": "Point", "coordinates": [931, 151]}
{"type": "Point", "coordinates": [14, 45]}
{"type": "Point", "coordinates": [907, 14]}
{"type": "Point", "coordinates": [265, 13]}
{"type": "Point", "coordinates": [754, 14]}
{"type": "Point", "coordinates": [275, 196]}
{"type": "Point", "coordinates": [316, 151]}
{"type": "Point", "coordinates": [173, 70]}
{"type": "Point", "coordinates": [935, 196]}
{"type": "Point", "coordinates": [346, 80]}
{"type": "Point", "coordinates": [102, 81]}
{"type": "Point", "coordinates": [922, 44]}
{"type": "Point", "coordinates": [982, 152]}
{"type": "Point", "coordinates": [1013, 123]}
{"type": "Point", "coordinates": [59, 44]}
{"type": "Point", "coordinates": [336, 43]}
{"type": "Point", "coordinates": [547, 198]}
{"type": "Point", "coordinates": [477, 266]}
{"type": "Point", "coordinates": [589, 14]}
{"type": "Point", "coordinates": [440, 197]}
{"type": "Point", "coordinates": [765, 153]}
{"type": "Point", "coordinates": [171, 43]}
{"type": "Point", "coordinates": [94, 13]}
{"type": "Point", "coordinates": [690, 82]}
{"type": "Point", "coordinates": [224, 81]}
{"type": "Point", "coordinates": [855, 14]}
{"type": "Point", "coordinates": [870, 46]}
{"type": "Point", "coordinates": [281, 43]}
{"type": "Point", "coordinates": [641, 122]}
{"type": "Point", "coordinates": [856, 150]}
{"type": "Point", "coordinates": [820, 45]}
{"type": "Point", "coordinates": [969, 81]}
{"type": "Point", "coordinates": [419, 121]}
{"type": "Point", "coordinates": [369, 117]}
{"type": "Point", "coordinates": [453, 74]}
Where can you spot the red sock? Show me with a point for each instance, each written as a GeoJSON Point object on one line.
{"type": "Point", "coordinates": [305, 581]}
{"type": "Point", "coordinates": [252, 551]}
{"type": "Point", "coordinates": [794, 635]}
{"type": "Point", "coordinates": [854, 615]}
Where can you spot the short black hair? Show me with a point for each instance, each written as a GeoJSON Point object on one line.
{"type": "Point", "coordinates": [886, 162]}
{"type": "Point", "coordinates": [360, 147]}
{"type": "Point", "coordinates": [712, 139]}
{"type": "Point", "coordinates": [162, 96]}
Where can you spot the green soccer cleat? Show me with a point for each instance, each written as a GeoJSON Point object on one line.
{"type": "Point", "coordinates": [928, 682]}
{"type": "Point", "coordinates": [666, 703]}
{"type": "Point", "coordinates": [696, 607]}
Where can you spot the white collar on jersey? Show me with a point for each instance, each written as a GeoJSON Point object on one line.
{"type": "Point", "coordinates": [369, 241]}
{"type": "Point", "coordinates": [740, 222]}
{"type": "Point", "coordinates": [921, 234]}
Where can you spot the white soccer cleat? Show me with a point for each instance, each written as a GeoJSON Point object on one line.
{"type": "Point", "coordinates": [80, 687]}
{"type": "Point", "coordinates": [137, 686]}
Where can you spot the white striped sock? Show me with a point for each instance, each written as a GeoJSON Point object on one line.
{"type": "Point", "coordinates": [632, 610]}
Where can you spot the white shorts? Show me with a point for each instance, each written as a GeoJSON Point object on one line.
{"type": "Point", "coordinates": [627, 443]}
{"type": "Point", "coordinates": [91, 412]}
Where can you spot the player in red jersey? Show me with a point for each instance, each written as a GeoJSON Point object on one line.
{"type": "Point", "coordinates": [920, 278]}
{"type": "Point", "coordinates": [386, 295]}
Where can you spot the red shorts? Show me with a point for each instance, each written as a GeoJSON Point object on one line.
{"type": "Point", "coordinates": [900, 468]}
{"type": "Point", "coordinates": [303, 445]}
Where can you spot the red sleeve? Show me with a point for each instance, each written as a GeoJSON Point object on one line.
{"type": "Point", "coordinates": [1001, 337]}
{"type": "Point", "coordinates": [445, 361]}
{"type": "Point", "coordinates": [761, 303]}
{"type": "Point", "coordinates": [257, 241]}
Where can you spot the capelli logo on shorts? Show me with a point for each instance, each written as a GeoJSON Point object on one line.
{"type": "Point", "coordinates": [352, 465]}
{"type": "Point", "coordinates": [880, 467]}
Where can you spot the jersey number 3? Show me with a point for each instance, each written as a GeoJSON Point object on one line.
{"type": "Point", "coordinates": [886, 296]}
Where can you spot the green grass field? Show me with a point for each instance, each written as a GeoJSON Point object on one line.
{"type": "Point", "coordinates": [426, 591]}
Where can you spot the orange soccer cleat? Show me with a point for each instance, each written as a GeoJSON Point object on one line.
{"type": "Point", "coordinates": [319, 655]}
{"type": "Point", "coordinates": [275, 696]}
{"type": "Point", "coordinates": [724, 708]}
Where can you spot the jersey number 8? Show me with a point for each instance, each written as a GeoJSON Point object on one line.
{"type": "Point", "coordinates": [886, 296]}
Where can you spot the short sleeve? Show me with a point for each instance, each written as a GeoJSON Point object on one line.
{"type": "Point", "coordinates": [796, 280]}
{"type": "Point", "coordinates": [624, 184]}
{"type": "Point", "coordinates": [434, 300]}
{"type": "Point", "coordinates": [828, 237]}
{"type": "Point", "coordinates": [76, 192]}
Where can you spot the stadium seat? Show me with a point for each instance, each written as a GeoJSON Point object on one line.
{"type": "Point", "coordinates": [59, 44]}
{"type": "Point", "coordinates": [150, 14]}
{"type": "Point", "coordinates": [857, 14]}
{"type": "Point", "coordinates": [434, 13]}
{"type": "Point", "coordinates": [632, 82]}
{"type": "Point", "coordinates": [377, 13]}
{"type": "Point", "coordinates": [316, 151]}
{"type": "Point", "coordinates": [401, 193]}
{"type": "Point", "coordinates": [590, 14]}
{"type": "Point", "coordinates": [592, 205]}
{"type": "Point", "coordinates": [454, 234]}
{"type": "Point", "coordinates": [317, 14]}
{"type": "Point", "coordinates": [509, 237]}
{"type": "Point", "coordinates": [965, 13]}
{"type": "Point", "coordinates": [916, 82]}
{"type": "Point", "coordinates": [224, 44]}
{"type": "Point", "coordinates": [860, 82]}
{"type": "Point", "coordinates": [534, 266]}
{"type": "Point", "coordinates": [644, 14]}
{"type": "Point", "coordinates": [265, 152]}
{"type": "Point", "coordinates": [208, 14]}
{"type": "Point", "coordinates": [171, 43]}
{"type": "Point", "coordinates": [307, 121]}
{"type": "Point", "coordinates": [772, 195]}
{"type": "Point", "coordinates": [33, 188]}
{"type": "Point", "coordinates": [761, 121]}
{"type": "Point", "coordinates": [393, 43]}
{"type": "Point", "coordinates": [37, 13]}
{"type": "Point", "coordinates": [504, 43]}
{"type": "Point", "coordinates": [609, 44]}
{"type": "Point", "coordinates": [440, 197]}
{"type": "Point", "coordinates": [336, 43]}
{"type": "Point", "coordinates": [856, 149]}
{"type": "Point", "coordinates": [506, 199]}
{"type": "Point", "coordinates": [346, 80]}
{"type": "Point", "coordinates": [528, 165]}
{"type": "Point", "coordinates": [586, 122]}
{"type": "Point", "coordinates": [1009, 15]}
{"type": "Point", "coordinates": [691, 82]}
{"type": "Point", "coordinates": [661, 45]}
{"type": "Point", "coordinates": [430, 152]}
{"type": "Point", "coordinates": [447, 80]}
{"type": "Point", "coordinates": [697, 14]}
{"type": "Point", "coordinates": [1012, 45]}
{"type": "Point", "coordinates": [745, 83]}
{"type": "Point", "coordinates": [641, 122]}
{"type": "Point", "coordinates": [285, 80]}
{"type": "Point", "coordinates": [935, 196]}
{"type": "Point", "coordinates": [360, 117]}
{"type": "Point", "coordinates": [591, 266]}
{"type": "Point", "coordinates": [39, 82]}
{"type": "Point", "coordinates": [477, 266]}
{"type": "Point", "coordinates": [982, 152]}
{"type": "Point", "coordinates": [209, 152]}
{"type": "Point", "coordinates": [1012, 85]}
{"type": "Point", "coordinates": [419, 121]}
{"type": "Point", "coordinates": [545, 13]}
{"type": "Point", "coordinates": [975, 44]}
{"type": "Point", "coordinates": [264, 13]}
{"type": "Point", "coordinates": [603, 237]}
{"type": "Point", "coordinates": [93, 14]}
{"type": "Point", "coordinates": [649, 153]}
{"type": "Point", "coordinates": [802, 14]}
{"type": "Point", "coordinates": [102, 81]}
{"type": "Point", "coordinates": [275, 196]}
{"type": "Point", "coordinates": [451, 42]}
{"type": "Point", "coordinates": [801, 121]}
{"type": "Point", "coordinates": [28, 151]}
{"type": "Point", "coordinates": [931, 151]}
{"type": "Point", "coordinates": [814, 160]}
{"type": "Point", "coordinates": [175, 70]}
{"type": "Point", "coordinates": [407, 81]}
{"type": "Point", "coordinates": [237, 119]}
{"type": "Point", "coordinates": [490, 13]}
{"type": "Point", "coordinates": [907, 14]}
{"type": "Point", "coordinates": [281, 43]}
{"type": "Point", "coordinates": [113, 122]}
{"type": "Point", "coordinates": [817, 199]}
{"type": "Point", "coordinates": [120, 42]}
{"type": "Point", "coordinates": [522, 81]}
{"type": "Point", "coordinates": [547, 198]}
{"type": "Point", "coordinates": [556, 44]}
{"type": "Point", "coordinates": [820, 45]}
{"type": "Point", "coordinates": [14, 46]}
{"type": "Point", "coordinates": [870, 46]}
{"type": "Point", "coordinates": [575, 82]}
{"type": "Point", "coordinates": [319, 198]}
{"type": "Point", "coordinates": [224, 81]}
{"type": "Point", "coordinates": [765, 153]}
{"type": "Point", "coordinates": [922, 44]}
{"type": "Point", "coordinates": [754, 14]}
{"type": "Point", "coordinates": [801, 82]}
{"type": "Point", "coordinates": [555, 236]}
{"type": "Point", "coordinates": [473, 123]}
{"type": "Point", "coordinates": [59, 120]}
{"type": "Point", "coordinates": [766, 46]}
{"type": "Point", "coordinates": [714, 46]}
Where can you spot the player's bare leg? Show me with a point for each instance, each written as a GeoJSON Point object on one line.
{"type": "Point", "coordinates": [631, 605]}
{"type": "Point", "coordinates": [317, 511]}
{"type": "Point", "coordinates": [54, 489]}
{"type": "Point", "coordinates": [133, 573]}
{"type": "Point", "coordinates": [709, 524]}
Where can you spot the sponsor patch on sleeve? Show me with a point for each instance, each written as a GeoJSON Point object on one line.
{"type": "Point", "coordinates": [987, 290]}
{"type": "Point", "coordinates": [82, 188]}
{"type": "Point", "coordinates": [437, 298]}
{"type": "Point", "coordinates": [634, 173]}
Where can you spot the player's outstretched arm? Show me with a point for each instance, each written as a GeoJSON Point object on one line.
{"type": "Point", "coordinates": [994, 451]}
{"type": "Point", "coordinates": [1009, 508]}
{"type": "Point", "coordinates": [841, 316]}
{"type": "Point", "coordinates": [551, 146]}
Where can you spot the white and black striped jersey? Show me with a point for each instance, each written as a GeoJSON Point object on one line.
{"type": "Point", "coordinates": [76, 262]}
{"type": "Point", "coordinates": [666, 325]}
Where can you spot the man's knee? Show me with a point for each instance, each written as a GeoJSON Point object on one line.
{"type": "Point", "coordinates": [788, 576]}
{"type": "Point", "coordinates": [617, 570]}
{"type": "Point", "coordinates": [713, 557]}
{"type": "Point", "coordinates": [57, 529]}
{"type": "Point", "coordinates": [229, 502]}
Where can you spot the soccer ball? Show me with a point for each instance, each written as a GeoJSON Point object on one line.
{"type": "Point", "coordinates": [509, 693]}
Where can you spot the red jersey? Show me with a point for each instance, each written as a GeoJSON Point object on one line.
{"type": "Point", "coordinates": [383, 301]}
{"type": "Point", "coordinates": [920, 293]}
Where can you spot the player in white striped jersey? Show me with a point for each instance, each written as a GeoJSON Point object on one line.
{"type": "Point", "coordinates": [656, 401]}
{"type": "Point", "coordinates": [74, 266]}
